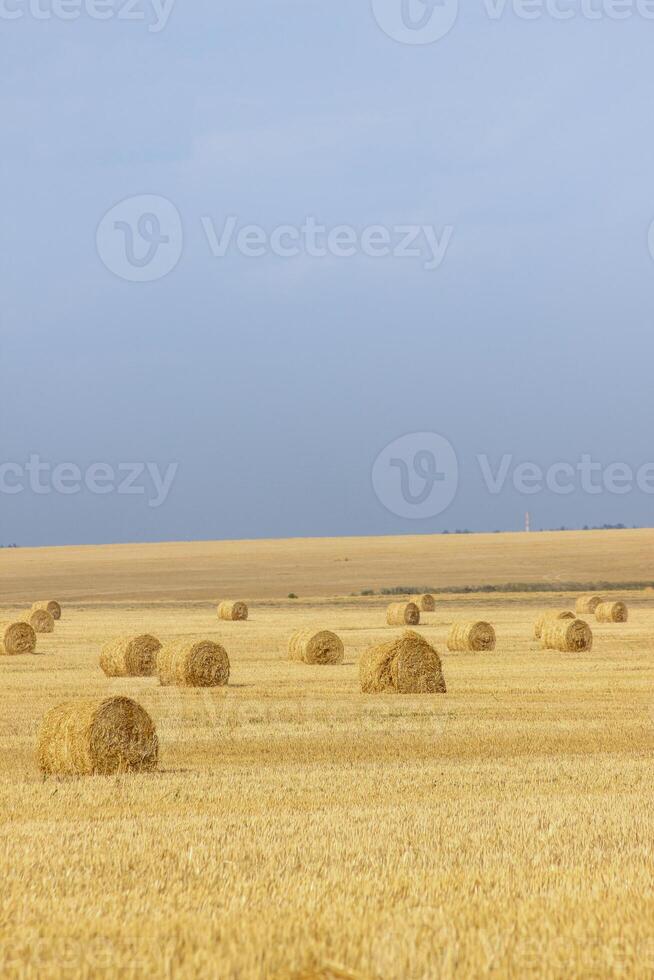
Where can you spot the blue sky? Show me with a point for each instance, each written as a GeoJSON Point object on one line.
{"type": "Point", "coordinates": [272, 384]}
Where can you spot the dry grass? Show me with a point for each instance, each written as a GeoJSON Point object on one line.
{"type": "Point", "coordinates": [296, 824]}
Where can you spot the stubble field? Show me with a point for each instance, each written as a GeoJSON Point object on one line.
{"type": "Point", "coordinates": [298, 825]}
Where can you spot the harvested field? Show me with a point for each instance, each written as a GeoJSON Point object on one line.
{"type": "Point", "coordinates": [318, 566]}
{"type": "Point", "coordinates": [502, 827]}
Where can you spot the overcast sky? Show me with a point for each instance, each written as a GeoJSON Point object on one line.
{"type": "Point", "coordinates": [261, 386]}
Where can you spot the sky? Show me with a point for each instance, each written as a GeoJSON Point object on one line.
{"type": "Point", "coordinates": [467, 338]}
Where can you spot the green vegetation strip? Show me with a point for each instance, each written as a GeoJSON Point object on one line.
{"type": "Point", "coordinates": [514, 587]}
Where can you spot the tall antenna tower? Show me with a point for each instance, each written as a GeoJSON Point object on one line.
{"type": "Point", "coordinates": [527, 522]}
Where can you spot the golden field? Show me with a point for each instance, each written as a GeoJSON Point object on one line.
{"type": "Point", "coordinates": [323, 566]}
{"type": "Point", "coordinates": [297, 826]}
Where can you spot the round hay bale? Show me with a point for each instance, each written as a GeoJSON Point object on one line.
{"type": "Point", "coordinates": [402, 614]}
{"type": "Point", "coordinates": [406, 665]}
{"type": "Point", "coordinates": [588, 603]}
{"type": "Point", "coordinates": [41, 621]}
{"type": "Point", "coordinates": [200, 663]}
{"type": "Point", "coordinates": [312, 646]}
{"type": "Point", "coordinates": [471, 637]}
{"type": "Point", "coordinates": [612, 612]}
{"type": "Point", "coordinates": [426, 603]}
{"type": "Point", "coordinates": [130, 656]}
{"type": "Point", "coordinates": [232, 611]}
{"type": "Point", "coordinates": [17, 638]}
{"type": "Point", "coordinates": [97, 735]}
{"type": "Point", "coordinates": [50, 605]}
{"type": "Point", "coordinates": [567, 635]}
{"type": "Point", "coordinates": [550, 614]}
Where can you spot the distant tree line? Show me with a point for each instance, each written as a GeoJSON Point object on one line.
{"type": "Point", "coordinates": [586, 527]}
{"type": "Point", "coordinates": [595, 527]}
{"type": "Point", "coordinates": [510, 587]}
{"type": "Point", "coordinates": [607, 527]}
